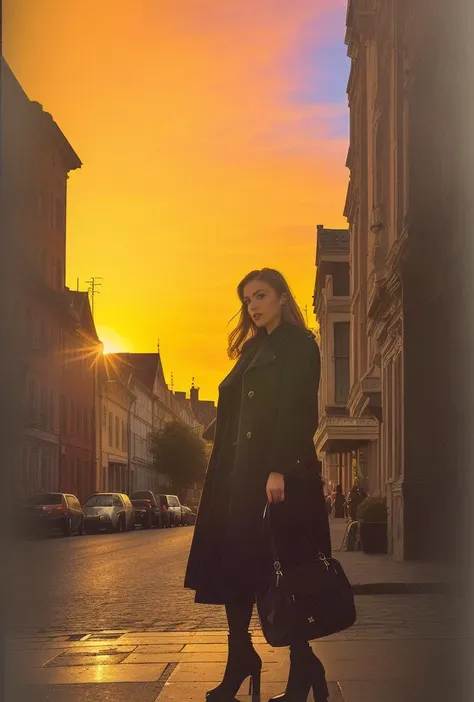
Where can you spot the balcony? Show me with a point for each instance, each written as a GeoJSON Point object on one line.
{"type": "Point", "coordinates": [341, 433]}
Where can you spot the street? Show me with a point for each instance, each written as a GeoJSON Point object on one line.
{"type": "Point", "coordinates": [134, 581]}
{"type": "Point", "coordinates": [106, 617]}
{"type": "Point", "coordinates": [108, 581]}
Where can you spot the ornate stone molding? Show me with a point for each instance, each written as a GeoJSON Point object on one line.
{"type": "Point", "coordinates": [356, 401]}
{"type": "Point", "coordinates": [377, 218]}
{"type": "Point", "coordinates": [338, 434]}
{"type": "Point", "coordinates": [396, 255]}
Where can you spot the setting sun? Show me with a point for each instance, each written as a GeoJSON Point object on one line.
{"type": "Point", "coordinates": [113, 342]}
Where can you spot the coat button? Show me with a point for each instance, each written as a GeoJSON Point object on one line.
{"type": "Point", "coordinates": [249, 435]}
{"type": "Point", "coordinates": [251, 393]}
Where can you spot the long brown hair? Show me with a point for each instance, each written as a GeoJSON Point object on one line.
{"type": "Point", "coordinates": [246, 327]}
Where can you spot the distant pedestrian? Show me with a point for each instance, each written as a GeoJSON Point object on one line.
{"type": "Point", "coordinates": [263, 452]}
{"type": "Point", "coordinates": [356, 495]}
{"type": "Point", "coordinates": [339, 502]}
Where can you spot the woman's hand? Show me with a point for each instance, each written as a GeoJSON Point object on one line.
{"type": "Point", "coordinates": [275, 487]}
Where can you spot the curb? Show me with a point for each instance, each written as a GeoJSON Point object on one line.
{"type": "Point", "coordinates": [430, 588]}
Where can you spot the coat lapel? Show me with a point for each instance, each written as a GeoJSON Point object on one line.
{"type": "Point", "coordinates": [242, 363]}
{"type": "Point", "coordinates": [271, 346]}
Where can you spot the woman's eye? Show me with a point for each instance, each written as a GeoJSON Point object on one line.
{"type": "Point", "coordinates": [260, 295]}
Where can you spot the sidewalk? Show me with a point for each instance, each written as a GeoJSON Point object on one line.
{"type": "Point", "coordinates": [381, 574]}
{"type": "Point", "coordinates": [181, 667]}
{"type": "Point", "coordinates": [399, 649]}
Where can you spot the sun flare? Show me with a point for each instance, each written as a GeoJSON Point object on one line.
{"type": "Point", "coordinates": [113, 342]}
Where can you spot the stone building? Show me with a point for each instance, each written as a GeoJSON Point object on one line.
{"type": "Point", "coordinates": [115, 400]}
{"type": "Point", "coordinates": [152, 407]}
{"type": "Point", "coordinates": [36, 162]}
{"type": "Point", "coordinates": [408, 248]}
{"type": "Point", "coordinates": [340, 435]}
{"type": "Point", "coordinates": [80, 353]}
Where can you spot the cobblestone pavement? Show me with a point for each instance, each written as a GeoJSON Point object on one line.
{"type": "Point", "coordinates": [106, 619]}
{"type": "Point", "coordinates": [134, 581]}
{"type": "Point", "coordinates": [176, 666]}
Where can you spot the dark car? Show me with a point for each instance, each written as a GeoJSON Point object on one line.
{"type": "Point", "coordinates": [172, 506]}
{"type": "Point", "coordinates": [52, 511]}
{"type": "Point", "coordinates": [147, 509]}
{"type": "Point", "coordinates": [188, 517]}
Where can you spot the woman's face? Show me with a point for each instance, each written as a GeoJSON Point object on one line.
{"type": "Point", "coordinates": [263, 304]}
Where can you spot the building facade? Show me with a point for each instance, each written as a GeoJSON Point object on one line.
{"type": "Point", "coordinates": [405, 180]}
{"type": "Point", "coordinates": [115, 400]}
{"type": "Point", "coordinates": [80, 353]}
{"type": "Point", "coordinates": [36, 162]}
{"type": "Point", "coordinates": [340, 435]}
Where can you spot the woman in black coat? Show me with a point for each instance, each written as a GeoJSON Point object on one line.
{"type": "Point", "coordinates": [263, 452]}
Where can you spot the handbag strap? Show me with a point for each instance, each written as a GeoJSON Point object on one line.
{"type": "Point", "coordinates": [267, 520]}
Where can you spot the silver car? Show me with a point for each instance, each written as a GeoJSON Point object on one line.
{"type": "Point", "coordinates": [108, 511]}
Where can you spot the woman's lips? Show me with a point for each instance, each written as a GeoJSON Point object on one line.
{"type": "Point", "coordinates": [256, 316]}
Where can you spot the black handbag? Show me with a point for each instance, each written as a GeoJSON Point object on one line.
{"type": "Point", "coordinates": [306, 601]}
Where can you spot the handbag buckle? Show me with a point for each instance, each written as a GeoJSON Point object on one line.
{"type": "Point", "coordinates": [323, 558]}
{"type": "Point", "coordinates": [279, 574]}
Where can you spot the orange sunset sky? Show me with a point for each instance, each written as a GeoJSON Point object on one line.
{"type": "Point", "coordinates": [213, 135]}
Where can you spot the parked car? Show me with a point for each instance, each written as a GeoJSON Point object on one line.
{"type": "Point", "coordinates": [52, 511]}
{"type": "Point", "coordinates": [147, 509]}
{"type": "Point", "coordinates": [188, 517]}
{"type": "Point", "coordinates": [173, 508]}
{"type": "Point", "coordinates": [108, 511]}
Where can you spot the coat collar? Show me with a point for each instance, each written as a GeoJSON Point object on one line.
{"type": "Point", "coordinates": [261, 350]}
{"type": "Point", "coordinates": [271, 344]}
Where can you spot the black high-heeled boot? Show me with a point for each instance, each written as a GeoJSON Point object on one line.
{"type": "Point", "coordinates": [306, 672]}
{"type": "Point", "coordinates": [242, 662]}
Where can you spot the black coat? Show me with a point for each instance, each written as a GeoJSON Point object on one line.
{"type": "Point", "coordinates": [267, 415]}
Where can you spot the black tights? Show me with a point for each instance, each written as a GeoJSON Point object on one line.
{"type": "Point", "coordinates": [239, 613]}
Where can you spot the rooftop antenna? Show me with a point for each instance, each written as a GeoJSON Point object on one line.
{"type": "Point", "coordinates": [93, 283]}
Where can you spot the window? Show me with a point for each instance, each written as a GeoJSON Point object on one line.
{"type": "Point", "coordinates": [123, 435]}
{"type": "Point", "coordinates": [29, 326]}
{"type": "Point", "coordinates": [111, 429]}
{"type": "Point", "coordinates": [72, 418]}
{"type": "Point", "coordinates": [51, 410]}
{"type": "Point", "coordinates": [79, 421]}
{"type": "Point", "coordinates": [44, 414]}
{"type": "Point", "coordinates": [59, 213]}
{"type": "Point", "coordinates": [117, 432]}
{"type": "Point", "coordinates": [100, 501]}
{"type": "Point", "coordinates": [62, 414]}
{"type": "Point", "coordinates": [341, 362]}
{"type": "Point", "coordinates": [341, 280]}
{"type": "Point", "coordinates": [32, 396]}
{"type": "Point", "coordinates": [59, 275]}
{"type": "Point", "coordinates": [104, 416]}
{"type": "Point", "coordinates": [43, 336]}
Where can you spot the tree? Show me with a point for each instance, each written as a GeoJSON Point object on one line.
{"type": "Point", "coordinates": [179, 453]}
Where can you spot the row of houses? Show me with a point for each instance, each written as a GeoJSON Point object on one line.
{"type": "Point", "coordinates": [85, 417]}
{"type": "Point", "coordinates": [389, 289]}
